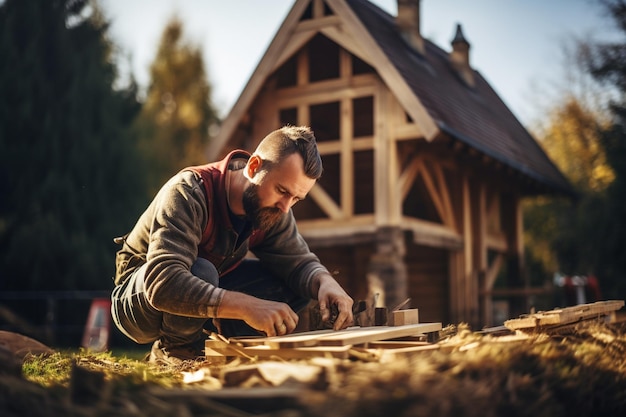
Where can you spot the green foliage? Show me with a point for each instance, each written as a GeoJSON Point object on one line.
{"type": "Point", "coordinates": [174, 123]}
{"type": "Point", "coordinates": [69, 171]}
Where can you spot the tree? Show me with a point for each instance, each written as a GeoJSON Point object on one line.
{"type": "Point", "coordinates": [177, 115]}
{"type": "Point", "coordinates": [69, 171]}
{"type": "Point", "coordinates": [588, 142]}
{"type": "Point", "coordinates": [573, 138]}
{"type": "Point", "coordinates": [559, 232]}
{"type": "Point", "coordinates": [606, 61]}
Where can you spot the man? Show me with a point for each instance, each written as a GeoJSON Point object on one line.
{"type": "Point", "coordinates": [184, 263]}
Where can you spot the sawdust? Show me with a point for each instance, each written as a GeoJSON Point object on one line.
{"type": "Point", "coordinates": [582, 373]}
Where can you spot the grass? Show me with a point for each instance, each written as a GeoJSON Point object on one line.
{"type": "Point", "coordinates": [56, 369]}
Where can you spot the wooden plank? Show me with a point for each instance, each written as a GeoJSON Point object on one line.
{"type": "Point", "coordinates": [394, 344]}
{"type": "Point", "coordinates": [261, 340]}
{"type": "Point", "coordinates": [338, 352]}
{"type": "Point", "coordinates": [352, 336]}
{"type": "Point", "coordinates": [219, 348]}
{"type": "Point", "coordinates": [565, 315]}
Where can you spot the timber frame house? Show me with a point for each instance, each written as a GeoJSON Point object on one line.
{"type": "Point", "coordinates": [424, 166]}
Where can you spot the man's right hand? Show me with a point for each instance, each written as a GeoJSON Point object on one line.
{"type": "Point", "coordinates": [270, 317]}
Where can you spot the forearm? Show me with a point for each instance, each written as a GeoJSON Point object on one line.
{"type": "Point", "coordinates": [320, 279]}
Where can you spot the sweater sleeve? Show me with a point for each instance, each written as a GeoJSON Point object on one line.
{"type": "Point", "coordinates": [174, 223]}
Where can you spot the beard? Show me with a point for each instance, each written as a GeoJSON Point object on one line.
{"type": "Point", "coordinates": [261, 218]}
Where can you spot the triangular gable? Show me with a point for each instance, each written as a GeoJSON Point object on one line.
{"type": "Point", "coordinates": [293, 34]}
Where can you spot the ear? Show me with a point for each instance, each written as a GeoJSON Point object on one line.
{"type": "Point", "coordinates": [253, 166]}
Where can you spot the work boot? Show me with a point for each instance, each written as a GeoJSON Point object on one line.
{"type": "Point", "coordinates": [176, 355]}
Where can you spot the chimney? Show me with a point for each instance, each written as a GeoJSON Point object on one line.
{"type": "Point", "coordinates": [459, 57]}
{"type": "Point", "coordinates": [408, 21]}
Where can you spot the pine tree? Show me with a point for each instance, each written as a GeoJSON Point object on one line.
{"type": "Point", "coordinates": [69, 171]}
{"type": "Point", "coordinates": [177, 114]}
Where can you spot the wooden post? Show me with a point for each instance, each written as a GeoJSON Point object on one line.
{"type": "Point", "coordinates": [388, 266]}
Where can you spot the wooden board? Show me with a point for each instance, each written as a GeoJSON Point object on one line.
{"type": "Point", "coordinates": [565, 315]}
{"type": "Point", "coordinates": [263, 351]}
{"type": "Point", "coordinates": [350, 336]}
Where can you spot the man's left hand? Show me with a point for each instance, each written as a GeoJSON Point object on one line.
{"type": "Point", "coordinates": [331, 294]}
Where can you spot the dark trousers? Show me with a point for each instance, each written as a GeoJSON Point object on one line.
{"type": "Point", "coordinates": [141, 322]}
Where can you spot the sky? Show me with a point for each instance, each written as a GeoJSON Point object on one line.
{"type": "Point", "coordinates": [516, 45]}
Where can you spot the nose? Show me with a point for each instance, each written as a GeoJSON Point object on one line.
{"type": "Point", "coordinates": [285, 203]}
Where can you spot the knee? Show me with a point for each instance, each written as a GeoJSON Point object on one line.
{"type": "Point", "coordinates": [206, 271]}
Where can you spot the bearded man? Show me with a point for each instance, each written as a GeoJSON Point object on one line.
{"type": "Point", "coordinates": [184, 269]}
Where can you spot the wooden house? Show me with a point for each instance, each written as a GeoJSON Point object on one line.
{"type": "Point", "coordinates": [425, 167]}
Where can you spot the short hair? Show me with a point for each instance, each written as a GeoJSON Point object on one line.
{"type": "Point", "coordinates": [283, 142]}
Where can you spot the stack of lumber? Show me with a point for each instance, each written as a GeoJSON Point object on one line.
{"type": "Point", "coordinates": [563, 318]}
{"type": "Point", "coordinates": [340, 344]}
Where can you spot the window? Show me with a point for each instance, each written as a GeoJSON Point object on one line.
{"type": "Point", "coordinates": [363, 182]}
{"type": "Point", "coordinates": [287, 74]}
{"type": "Point", "coordinates": [323, 59]}
{"type": "Point", "coordinates": [361, 67]}
{"type": "Point", "coordinates": [363, 116]}
{"type": "Point", "coordinates": [325, 121]}
{"type": "Point", "coordinates": [288, 116]}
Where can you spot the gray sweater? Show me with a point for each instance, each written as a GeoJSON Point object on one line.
{"type": "Point", "coordinates": [167, 237]}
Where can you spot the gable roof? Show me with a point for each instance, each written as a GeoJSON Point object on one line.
{"type": "Point", "coordinates": [427, 86]}
{"type": "Point", "coordinates": [475, 115]}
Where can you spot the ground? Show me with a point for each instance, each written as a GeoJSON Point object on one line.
{"type": "Point", "coordinates": [579, 372]}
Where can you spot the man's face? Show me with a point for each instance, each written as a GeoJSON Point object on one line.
{"type": "Point", "coordinates": [272, 193]}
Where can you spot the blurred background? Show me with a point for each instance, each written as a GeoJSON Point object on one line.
{"type": "Point", "coordinates": [102, 101]}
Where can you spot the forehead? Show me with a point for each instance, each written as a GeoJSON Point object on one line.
{"type": "Point", "coordinates": [290, 175]}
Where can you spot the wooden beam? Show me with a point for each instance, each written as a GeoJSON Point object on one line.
{"type": "Point", "coordinates": [346, 168]}
{"type": "Point", "coordinates": [388, 72]}
{"type": "Point", "coordinates": [265, 67]}
{"type": "Point", "coordinates": [567, 315]}
{"type": "Point", "coordinates": [318, 10]}
{"type": "Point", "coordinates": [326, 203]}
{"type": "Point", "coordinates": [335, 146]}
{"type": "Point", "coordinates": [432, 234]}
{"type": "Point", "coordinates": [339, 35]}
{"type": "Point", "coordinates": [445, 196]}
{"type": "Point", "coordinates": [337, 227]}
{"type": "Point", "coordinates": [297, 41]}
{"type": "Point", "coordinates": [433, 193]}
{"type": "Point", "coordinates": [324, 92]}
{"type": "Point", "coordinates": [318, 23]}
{"type": "Point", "coordinates": [408, 177]}
{"type": "Point", "coordinates": [493, 271]}
{"type": "Point", "coordinates": [384, 153]}
{"type": "Point", "coordinates": [497, 241]}
{"type": "Point", "coordinates": [472, 302]}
